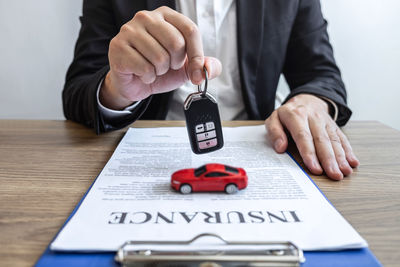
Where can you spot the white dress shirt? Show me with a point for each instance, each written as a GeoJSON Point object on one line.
{"type": "Point", "coordinates": [216, 21]}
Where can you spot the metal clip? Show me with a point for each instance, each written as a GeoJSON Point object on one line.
{"type": "Point", "coordinates": [205, 83]}
{"type": "Point", "coordinates": [224, 253]}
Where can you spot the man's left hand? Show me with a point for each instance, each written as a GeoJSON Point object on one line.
{"type": "Point", "coordinates": [322, 145]}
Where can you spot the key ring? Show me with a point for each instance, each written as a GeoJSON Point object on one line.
{"type": "Point", "coordinates": [203, 92]}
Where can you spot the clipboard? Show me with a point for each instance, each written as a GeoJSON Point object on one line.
{"type": "Point", "coordinates": [344, 258]}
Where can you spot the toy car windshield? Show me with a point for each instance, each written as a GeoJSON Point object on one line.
{"type": "Point", "coordinates": [200, 170]}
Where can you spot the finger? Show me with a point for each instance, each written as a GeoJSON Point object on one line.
{"type": "Point", "coordinates": [194, 45]}
{"type": "Point", "coordinates": [130, 61]}
{"type": "Point", "coordinates": [171, 80]}
{"type": "Point", "coordinates": [325, 152]}
{"type": "Point", "coordinates": [213, 66]}
{"type": "Point", "coordinates": [276, 134]}
{"type": "Point", "coordinates": [171, 39]}
{"type": "Point", "coordinates": [350, 156]}
{"type": "Point", "coordinates": [338, 149]}
{"type": "Point", "coordinates": [298, 127]}
{"type": "Point", "coordinates": [175, 78]}
{"type": "Point", "coordinates": [149, 48]}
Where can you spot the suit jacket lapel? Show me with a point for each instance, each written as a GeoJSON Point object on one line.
{"type": "Point", "coordinates": [250, 31]}
{"type": "Point", "coordinates": [154, 4]}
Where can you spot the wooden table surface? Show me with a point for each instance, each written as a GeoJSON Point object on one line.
{"type": "Point", "coordinates": [46, 167]}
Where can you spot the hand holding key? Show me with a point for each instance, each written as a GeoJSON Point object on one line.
{"type": "Point", "coordinates": [156, 52]}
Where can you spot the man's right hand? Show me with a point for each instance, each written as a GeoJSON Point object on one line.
{"type": "Point", "coordinates": [156, 52]}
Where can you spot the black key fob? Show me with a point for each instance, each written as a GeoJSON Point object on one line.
{"type": "Point", "coordinates": [203, 123]}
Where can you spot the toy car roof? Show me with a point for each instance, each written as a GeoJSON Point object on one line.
{"type": "Point", "coordinates": [215, 167]}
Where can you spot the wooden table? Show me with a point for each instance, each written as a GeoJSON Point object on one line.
{"type": "Point", "coordinates": [46, 167]}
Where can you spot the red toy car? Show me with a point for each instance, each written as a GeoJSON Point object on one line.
{"type": "Point", "coordinates": [209, 177]}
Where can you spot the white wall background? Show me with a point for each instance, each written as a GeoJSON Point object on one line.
{"type": "Point", "coordinates": [36, 46]}
{"type": "Point", "coordinates": [366, 37]}
{"type": "Point", "coordinates": [37, 40]}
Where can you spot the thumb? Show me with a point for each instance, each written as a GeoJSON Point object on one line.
{"type": "Point", "coordinates": [276, 134]}
{"type": "Point", "coordinates": [213, 66]}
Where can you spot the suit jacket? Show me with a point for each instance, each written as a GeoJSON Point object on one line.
{"type": "Point", "coordinates": [274, 37]}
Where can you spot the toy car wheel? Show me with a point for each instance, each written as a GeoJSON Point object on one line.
{"type": "Point", "coordinates": [185, 189]}
{"type": "Point", "coordinates": [231, 189]}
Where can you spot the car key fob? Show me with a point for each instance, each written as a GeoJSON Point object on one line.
{"type": "Point", "coordinates": [203, 122]}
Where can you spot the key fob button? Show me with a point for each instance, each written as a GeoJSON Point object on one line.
{"type": "Point", "coordinates": [206, 135]}
{"type": "Point", "coordinates": [208, 143]}
{"type": "Point", "coordinates": [210, 126]}
{"type": "Point", "coordinates": [199, 128]}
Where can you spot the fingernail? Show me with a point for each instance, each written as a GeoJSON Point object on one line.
{"type": "Point", "coordinates": [355, 159]}
{"type": "Point", "coordinates": [197, 76]}
{"type": "Point", "coordinates": [336, 172]}
{"type": "Point", "coordinates": [278, 144]}
{"type": "Point", "coordinates": [316, 165]}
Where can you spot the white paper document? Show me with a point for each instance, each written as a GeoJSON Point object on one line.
{"type": "Point", "coordinates": [132, 198]}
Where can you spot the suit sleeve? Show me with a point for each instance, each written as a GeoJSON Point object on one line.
{"type": "Point", "coordinates": [310, 66]}
{"type": "Point", "coordinates": [89, 67]}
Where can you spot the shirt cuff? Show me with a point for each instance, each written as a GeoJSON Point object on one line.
{"type": "Point", "coordinates": [111, 113]}
{"type": "Point", "coordinates": [333, 108]}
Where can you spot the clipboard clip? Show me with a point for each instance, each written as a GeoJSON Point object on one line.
{"type": "Point", "coordinates": [224, 253]}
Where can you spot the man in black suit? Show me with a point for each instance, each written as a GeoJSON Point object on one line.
{"type": "Point", "coordinates": [136, 53]}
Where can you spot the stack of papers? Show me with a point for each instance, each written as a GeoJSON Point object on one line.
{"type": "Point", "coordinates": [132, 198]}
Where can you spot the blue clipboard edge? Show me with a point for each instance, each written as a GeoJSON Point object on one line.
{"type": "Point", "coordinates": [103, 258]}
